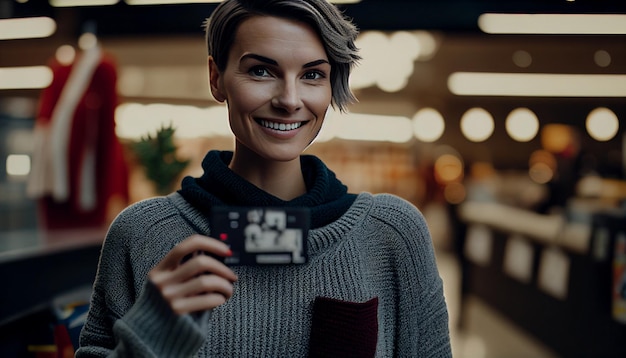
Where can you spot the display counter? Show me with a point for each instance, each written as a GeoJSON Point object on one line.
{"type": "Point", "coordinates": [550, 275]}
{"type": "Point", "coordinates": [36, 270]}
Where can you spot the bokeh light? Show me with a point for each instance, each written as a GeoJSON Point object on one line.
{"type": "Point", "coordinates": [522, 124]}
{"type": "Point", "coordinates": [602, 124]}
{"type": "Point", "coordinates": [428, 125]}
{"type": "Point", "coordinates": [477, 124]}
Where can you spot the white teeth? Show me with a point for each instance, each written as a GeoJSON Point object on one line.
{"type": "Point", "coordinates": [281, 126]}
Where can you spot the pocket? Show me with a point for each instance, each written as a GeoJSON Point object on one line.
{"type": "Point", "coordinates": [343, 329]}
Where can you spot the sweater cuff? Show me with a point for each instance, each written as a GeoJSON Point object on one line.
{"type": "Point", "coordinates": [159, 329]}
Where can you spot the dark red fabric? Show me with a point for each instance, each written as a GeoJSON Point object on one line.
{"type": "Point", "coordinates": [95, 110]}
{"type": "Point", "coordinates": [63, 343]}
{"type": "Point", "coordinates": [344, 329]}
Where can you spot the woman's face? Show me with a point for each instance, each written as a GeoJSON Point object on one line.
{"type": "Point", "coordinates": [276, 85]}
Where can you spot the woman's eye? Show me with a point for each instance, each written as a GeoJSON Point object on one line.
{"type": "Point", "coordinates": [313, 75]}
{"type": "Point", "coordinates": [259, 72]}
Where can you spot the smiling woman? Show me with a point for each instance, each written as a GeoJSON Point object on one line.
{"type": "Point", "coordinates": [365, 285]}
{"type": "Point", "coordinates": [272, 82]}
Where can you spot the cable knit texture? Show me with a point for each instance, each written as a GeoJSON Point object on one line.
{"type": "Point", "coordinates": [371, 278]}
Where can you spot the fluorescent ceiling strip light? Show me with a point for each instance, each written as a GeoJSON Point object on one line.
{"type": "Point", "coordinates": [536, 84]}
{"type": "Point", "coordinates": [25, 77]}
{"type": "Point", "coordinates": [371, 127]}
{"type": "Point", "coordinates": [27, 28]}
{"type": "Point", "coordinates": [71, 3]}
{"type": "Point", "coordinates": [163, 2]}
{"type": "Point", "coordinates": [578, 24]}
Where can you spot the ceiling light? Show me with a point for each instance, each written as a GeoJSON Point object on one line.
{"type": "Point", "coordinates": [25, 77]}
{"type": "Point", "coordinates": [602, 58]}
{"type": "Point", "coordinates": [369, 127]}
{"type": "Point", "coordinates": [522, 58]}
{"type": "Point", "coordinates": [428, 125]}
{"type": "Point", "coordinates": [28, 27]}
{"type": "Point", "coordinates": [536, 84]}
{"type": "Point", "coordinates": [596, 24]}
{"type": "Point", "coordinates": [71, 3]}
{"type": "Point", "coordinates": [134, 120]}
{"type": "Point", "coordinates": [477, 124]}
{"type": "Point", "coordinates": [366, 127]}
{"type": "Point", "coordinates": [602, 124]}
{"type": "Point", "coordinates": [388, 60]}
{"type": "Point", "coordinates": [163, 2]}
{"type": "Point", "coordinates": [65, 55]}
{"type": "Point", "coordinates": [17, 164]}
{"type": "Point", "coordinates": [522, 124]}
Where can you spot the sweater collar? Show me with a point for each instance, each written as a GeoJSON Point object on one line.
{"type": "Point", "coordinates": [326, 196]}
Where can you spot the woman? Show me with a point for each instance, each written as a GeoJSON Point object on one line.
{"type": "Point", "coordinates": [370, 286]}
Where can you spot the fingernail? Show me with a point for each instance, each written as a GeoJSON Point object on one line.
{"type": "Point", "coordinates": [229, 253]}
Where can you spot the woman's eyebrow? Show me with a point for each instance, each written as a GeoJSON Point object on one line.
{"type": "Point", "coordinates": [264, 59]}
{"type": "Point", "coordinates": [270, 61]}
{"type": "Point", "coordinates": [315, 63]}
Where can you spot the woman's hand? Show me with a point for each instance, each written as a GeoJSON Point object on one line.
{"type": "Point", "coordinates": [200, 283]}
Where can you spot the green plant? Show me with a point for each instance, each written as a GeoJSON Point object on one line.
{"type": "Point", "coordinates": [157, 154]}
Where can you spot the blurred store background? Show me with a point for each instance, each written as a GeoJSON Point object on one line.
{"type": "Point", "coordinates": [500, 120]}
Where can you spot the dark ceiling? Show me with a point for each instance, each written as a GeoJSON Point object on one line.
{"type": "Point", "coordinates": [446, 15]}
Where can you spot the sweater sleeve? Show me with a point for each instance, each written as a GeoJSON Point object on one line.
{"type": "Point", "coordinates": [423, 316]}
{"type": "Point", "coordinates": [121, 323]}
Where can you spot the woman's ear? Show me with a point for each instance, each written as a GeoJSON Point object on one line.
{"type": "Point", "coordinates": [215, 81]}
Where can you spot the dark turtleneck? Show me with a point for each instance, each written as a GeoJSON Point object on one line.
{"type": "Point", "coordinates": [326, 196]}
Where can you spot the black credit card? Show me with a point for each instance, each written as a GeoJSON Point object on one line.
{"type": "Point", "coordinates": [262, 235]}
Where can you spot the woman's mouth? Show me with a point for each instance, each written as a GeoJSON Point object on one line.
{"type": "Point", "coordinates": [283, 127]}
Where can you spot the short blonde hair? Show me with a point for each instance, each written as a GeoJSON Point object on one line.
{"type": "Point", "coordinates": [338, 34]}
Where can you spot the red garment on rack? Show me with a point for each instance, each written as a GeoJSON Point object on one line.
{"type": "Point", "coordinates": [93, 159]}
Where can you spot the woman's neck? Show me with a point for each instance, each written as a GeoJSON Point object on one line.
{"type": "Point", "coordinates": [283, 180]}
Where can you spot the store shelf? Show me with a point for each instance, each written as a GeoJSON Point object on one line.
{"type": "Point", "coordinates": [557, 291]}
{"type": "Point", "coordinates": [33, 279]}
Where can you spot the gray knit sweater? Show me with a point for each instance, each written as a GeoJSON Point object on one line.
{"type": "Point", "coordinates": [378, 254]}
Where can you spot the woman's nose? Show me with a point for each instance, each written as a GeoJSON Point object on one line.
{"type": "Point", "coordinates": [287, 97]}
